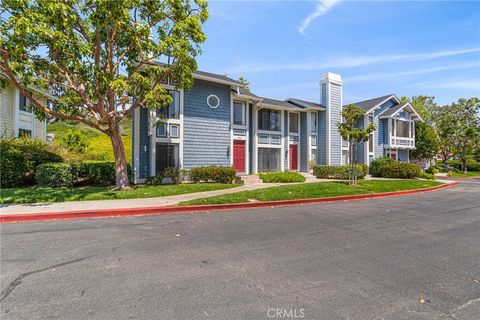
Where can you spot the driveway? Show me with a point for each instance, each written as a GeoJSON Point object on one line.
{"type": "Point", "coordinates": [409, 257]}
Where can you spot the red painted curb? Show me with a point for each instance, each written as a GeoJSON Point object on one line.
{"type": "Point", "coordinates": [199, 208]}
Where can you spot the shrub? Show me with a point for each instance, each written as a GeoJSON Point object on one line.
{"type": "Point", "coordinates": [174, 175]}
{"type": "Point", "coordinates": [428, 176]}
{"type": "Point", "coordinates": [95, 173]}
{"type": "Point", "coordinates": [212, 174]}
{"type": "Point", "coordinates": [433, 169]}
{"type": "Point", "coordinates": [377, 165]}
{"type": "Point", "coordinates": [75, 140]}
{"type": "Point", "coordinates": [54, 175]}
{"type": "Point", "coordinates": [472, 165]}
{"type": "Point", "coordinates": [155, 180]}
{"type": "Point", "coordinates": [12, 166]}
{"type": "Point", "coordinates": [20, 158]}
{"type": "Point", "coordinates": [283, 177]}
{"type": "Point", "coordinates": [339, 172]}
{"type": "Point", "coordinates": [401, 170]}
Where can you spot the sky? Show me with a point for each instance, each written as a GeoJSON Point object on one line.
{"type": "Point", "coordinates": [378, 47]}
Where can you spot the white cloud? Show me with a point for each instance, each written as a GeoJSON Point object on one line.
{"type": "Point", "coordinates": [390, 75]}
{"type": "Point", "coordinates": [322, 7]}
{"type": "Point", "coordinates": [323, 63]}
{"type": "Point", "coordinates": [455, 84]}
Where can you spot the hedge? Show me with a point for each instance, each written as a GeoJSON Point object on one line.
{"type": "Point", "coordinates": [54, 175]}
{"type": "Point", "coordinates": [377, 165]}
{"type": "Point", "coordinates": [212, 174]}
{"type": "Point", "coordinates": [339, 172]}
{"type": "Point", "coordinates": [401, 170]}
{"type": "Point", "coordinates": [472, 165]}
{"type": "Point", "coordinates": [281, 177]}
{"type": "Point", "coordinates": [170, 176]}
{"type": "Point", "coordinates": [96, 173]}
{"type": "Point", "coordinates": [20, 158]}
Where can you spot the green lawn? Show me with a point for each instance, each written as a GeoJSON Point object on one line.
{"type": "Point", "coordinates": [468, 174]}
{"type": "Point", "coordinates": [40, 194]}
{"type": "Point", "coordinates": [315, 190]}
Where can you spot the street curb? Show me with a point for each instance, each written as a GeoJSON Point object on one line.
{"type": "Point", "coordinates": [119, 212]}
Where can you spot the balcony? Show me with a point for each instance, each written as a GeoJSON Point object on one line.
{"type": "Point", "coordinates": [400, 142]}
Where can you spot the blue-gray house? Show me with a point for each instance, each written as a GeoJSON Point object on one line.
{"type": "Point", "coordinates": [218, 122]}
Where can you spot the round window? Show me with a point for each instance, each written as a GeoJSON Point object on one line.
{"type": "Point", "coordinates": [213, 101]}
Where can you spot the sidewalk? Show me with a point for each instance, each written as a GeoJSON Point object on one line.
{"type": "Point", "coordinates": [26, 208]}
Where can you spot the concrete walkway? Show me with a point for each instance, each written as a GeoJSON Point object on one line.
{"type": "Point", "coordinates": [25, 208]}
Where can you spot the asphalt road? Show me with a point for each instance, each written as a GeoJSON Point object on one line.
{"type": "Point", "coordinates": [409, 257]}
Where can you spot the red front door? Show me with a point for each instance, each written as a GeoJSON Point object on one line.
{"type": "Point", "coordinates": [239, 155]}
{"type": "Point", "coordinates": [293, 155]}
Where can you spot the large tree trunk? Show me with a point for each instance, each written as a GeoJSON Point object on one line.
{"type": "Point", "coordinates": [121, 180]}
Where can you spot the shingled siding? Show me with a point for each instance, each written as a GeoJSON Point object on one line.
{"type": "Point", "coordinates": [381, 134]}
{"type": "Point", "coordinates": [144, 156]}
{"type": "Point", "coordinates": [286, 139]}
{"type": "Point", "coordinates": [360, 152]}
{"type": "Point", "coordinates": [206, 130]}
{"type": "Point", "coordinates": [303, 142]}
{"type": "Point", "coordinates": [335, 117]}
{"type": "Point", "coordinates": [322, 129]}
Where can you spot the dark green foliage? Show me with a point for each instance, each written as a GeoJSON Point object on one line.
{"type": "Point", "coordinates": [212, 174]}
{"type": "Point", "coordinates": [339, 172]}
{"type": "Point", "coordinates": [377, 165]}
{"type": "Point", "coordinates": [174, 175]}
{"type": "Point", "coordinates": [95, 173]}
{"type": "Point", "coordinates": [401, 170]}
{"type": "Point", "coordinates": [54, 175]}
{"type": "Point", "coordinates": [75, 140]}
{"type": "Point", "coordinates": [155, 180]}
{"type": "Point", "coordinates": [282, 177]}
{"type": "Point", "coordinates": [12, 166]}
{"type": "Point", "coordinates": [472, 165]}
{"type": "Point", "coordinates": [19, 159]}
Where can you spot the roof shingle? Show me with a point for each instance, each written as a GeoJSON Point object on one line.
{"type": "Point", "coordinates": [370, 103]}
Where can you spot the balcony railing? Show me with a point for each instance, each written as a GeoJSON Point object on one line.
{"type": "Point", "coordinates": [400, 142]}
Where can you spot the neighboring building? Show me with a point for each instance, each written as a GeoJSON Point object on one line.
{"type": "Point", "coordinates": [15, 119]}
{"type": "Point", "coordinates": [217, 122]}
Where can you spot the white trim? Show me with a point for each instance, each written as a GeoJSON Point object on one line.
{"type": "Point", "coordinates": [412, 110]}
{"type": "Point", "coordinates": [218, 101]}
{"type": "Point", "coordinates": [212, 79]}
{"type": "Point", "coordinates": [244, 115]}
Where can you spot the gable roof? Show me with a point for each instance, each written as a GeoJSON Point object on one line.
{"type": "Point", "coordinates": [203, 75]}
{"type": "Point", "coordinates": [245, 93]}
{"type": "Point", "coordinates": [370, 104]}
{"type": "Point", "coordinates": [278, 103]}
{"type": "Point", "coordinates": [305, 104]}
{"type": "Point", "coordinates": [396, 109]}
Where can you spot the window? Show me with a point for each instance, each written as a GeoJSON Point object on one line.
{"type": "Point", "coordinates": [174, 131]}
{"type": "Point", "coordinates": [269, 120]}
{"type": "Point", "coordinates": [370, 143]}
{"type": "Point", "coordinates": [393, 127]}
{"type": "Point", "coordinates": [370, 119]}
{"type": "Point", "coordinates": [172, 111]}
{"type": "Point", "coordinates": [23, 103]}
{"type": "Point", "coordinates": [166, 156]}
{"type": "Point", "coordinates": [162, 131]}
{"type": "Point", "coordinates": [23, 133]}
{"type": "Point", "coordinates": [314, 122]}
{"type": "Point", "coordinates": [293, 122]}
{"type": "Point", "coordinates": [345, 159]}
{"type": "Point", "coordinates": [275, 139]}
{"type": "Point", "coordinates": [269, 159]}
{"type": "Point", "coordinates": [239, 113]}
{"type": "Point", "coordinates": [403, 129]}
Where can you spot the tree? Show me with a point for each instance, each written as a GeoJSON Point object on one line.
{"type": "Point", "coordinates": [424, 105]}
{"type": "Point", "coordinates": [96, 54]}
{"type": "Point", "coordinates": [353, 134]}
{"type": "Point", "coordinates": [76, 141]}
{"type": "Point", "coordinates": [459, 127]}
{"type": "Point", "coordinates": [427, 142]}
{"type": "Point", "coordinates": [245, 82]}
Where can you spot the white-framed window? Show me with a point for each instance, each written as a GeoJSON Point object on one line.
{"type": "Point", "coordinates": [313, 122]}
{"type": "Point", "coordinates": [239, 113]}
{"type": "Point", "coordinates": [172, 111]}
{"type": "Point", "coordinates": [162, 131]}
{"type": "Point", "coordinates": [213, 101]}
{"type": "Point", "coordinates": [370, 143]}
{"type": "Point", "coordinates": [174, 131]}
{"type": "Point", "coordinates": [293, 122]}
{"type": "Point", "coordinates": [23, 103]}
{"type": "Point", "coordinates": [269, 120]}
